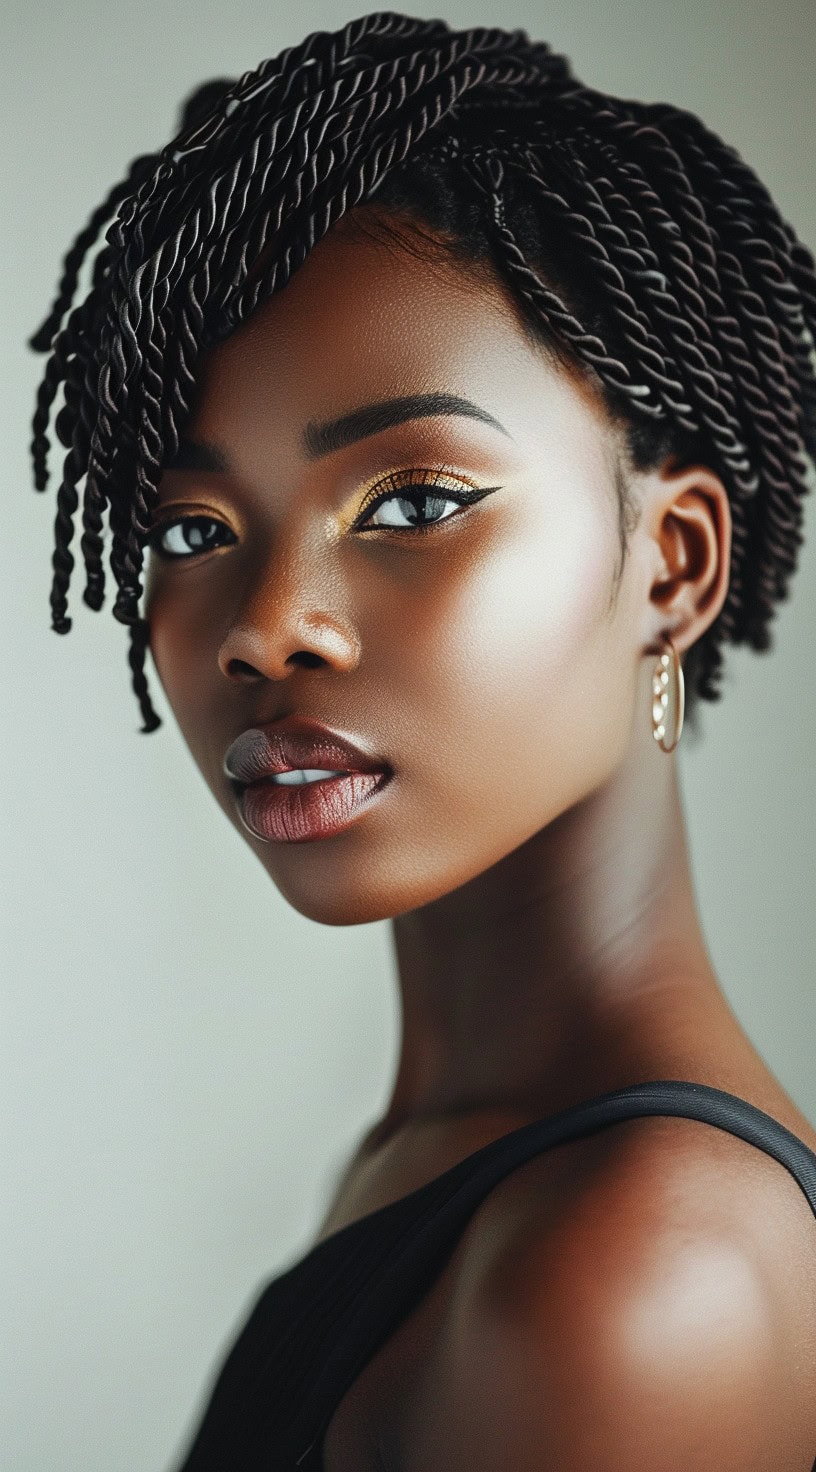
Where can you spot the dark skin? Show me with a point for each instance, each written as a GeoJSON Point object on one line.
{"type": "Point", "coordinates": [530, 851]}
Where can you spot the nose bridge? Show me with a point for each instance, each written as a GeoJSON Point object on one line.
{"type": "Point", "coordinates": [292, 598]}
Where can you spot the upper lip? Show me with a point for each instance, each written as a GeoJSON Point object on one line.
{"type": "Point", "coordinates": [293, 744]}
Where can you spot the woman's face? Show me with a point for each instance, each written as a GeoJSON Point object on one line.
{"type": "Point", "coordinates": [485, 657]}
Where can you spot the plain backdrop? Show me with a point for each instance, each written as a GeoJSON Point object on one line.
{"type": "Point", "coordinates": [186, 1060]}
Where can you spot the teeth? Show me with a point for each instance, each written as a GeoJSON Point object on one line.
{"type": "Point", "coordinates": [302, 774]}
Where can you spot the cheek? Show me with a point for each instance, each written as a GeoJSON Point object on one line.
{"type": "Point", "coordinates": [164, 641]}
{"type": "Point", "coordinates": [179, 654]}
{"type": "Point", "coordinates": [526, 686]}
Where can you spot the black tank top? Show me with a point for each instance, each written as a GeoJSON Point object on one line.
{"type": "Point", "coordinates": [316, 1325]}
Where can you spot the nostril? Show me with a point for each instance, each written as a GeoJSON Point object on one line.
{"type": "Point", "coordinates": [242, 670]}
{"type": "Point", "coordinates": [308, 658]}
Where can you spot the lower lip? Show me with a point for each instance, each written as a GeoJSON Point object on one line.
{"type": "Point", "coordinates": [303, 811]}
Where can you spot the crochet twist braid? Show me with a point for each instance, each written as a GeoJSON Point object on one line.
{"type": "Point", "coordinates": [639, 245]}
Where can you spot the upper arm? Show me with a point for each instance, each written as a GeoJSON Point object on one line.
{"type": "Point", "coordinates": [618, 1341]}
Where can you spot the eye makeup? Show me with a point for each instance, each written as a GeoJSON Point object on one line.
{"type": "Point", "coordinates": [412, 486]}
{"type": "Point", "coordinates": [415, 485]}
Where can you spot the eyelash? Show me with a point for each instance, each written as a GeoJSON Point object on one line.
{"type": "Point", "coordinates": [401, 485]}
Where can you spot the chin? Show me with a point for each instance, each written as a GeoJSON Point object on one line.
{"type": "Point", "coordinates": [332, 887]}
{"type": "Point", "coordinates": [341, 902]}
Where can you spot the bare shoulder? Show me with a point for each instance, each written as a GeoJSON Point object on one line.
{"type": "Point", "coordinates": [663, 1316]}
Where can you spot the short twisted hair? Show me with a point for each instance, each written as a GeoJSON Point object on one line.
{"type": "Point", "coordinates": [640, 247]}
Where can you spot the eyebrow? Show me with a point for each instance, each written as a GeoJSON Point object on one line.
{"type": "Point", "coordinates": [336, 434]}
{"type": "Point", "coordinates": [198, 455]}
{"type": "Point", "coordinates": [322, 439]}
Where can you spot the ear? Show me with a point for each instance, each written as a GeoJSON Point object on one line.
{"type": "Point", "coordinates": [687, 519]}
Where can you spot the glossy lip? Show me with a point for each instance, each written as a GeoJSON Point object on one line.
{"type": "Point", "coordinates": [291, 744]}
{"type": "Point", "coordinates": [302, 813]}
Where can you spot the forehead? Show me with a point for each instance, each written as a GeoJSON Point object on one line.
{"type": "Point", "coordinates": [366, 318]}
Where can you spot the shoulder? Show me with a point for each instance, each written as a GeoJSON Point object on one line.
{"type": "Point", "coordinates": [664, 1316]}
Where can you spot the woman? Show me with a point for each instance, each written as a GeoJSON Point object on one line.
{"type": "Point", "coordinates": [466, 414]}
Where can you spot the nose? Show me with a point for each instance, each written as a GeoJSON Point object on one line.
{"type": "Point", "coordinates": [292, 613]}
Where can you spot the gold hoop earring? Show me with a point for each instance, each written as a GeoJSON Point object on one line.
{"type": "Point", "coordinates": [660, 696]}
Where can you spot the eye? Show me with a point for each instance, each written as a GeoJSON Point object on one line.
{"type": "Point", "coordinates": [186, 536]}
{"type": "Point", "coordinates": [414, 501]}
{"type": "Point", "coordinates": [410, 500]}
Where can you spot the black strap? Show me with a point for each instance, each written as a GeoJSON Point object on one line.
{"type": "Point", "coordinates": [430, 1238]}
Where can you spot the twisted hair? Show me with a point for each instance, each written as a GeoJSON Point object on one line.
{"type": "Point", "coordinates": [640, 247]}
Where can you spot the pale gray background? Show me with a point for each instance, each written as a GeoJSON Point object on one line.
{"type": "Point", "coordinates": [186, 1059]}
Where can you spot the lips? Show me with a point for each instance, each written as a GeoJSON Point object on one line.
{"type": "Point", "coordinates": [295, 743]}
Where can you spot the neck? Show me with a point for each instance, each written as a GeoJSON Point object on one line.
{"type": "Point", "coordinates": [574, 966]}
